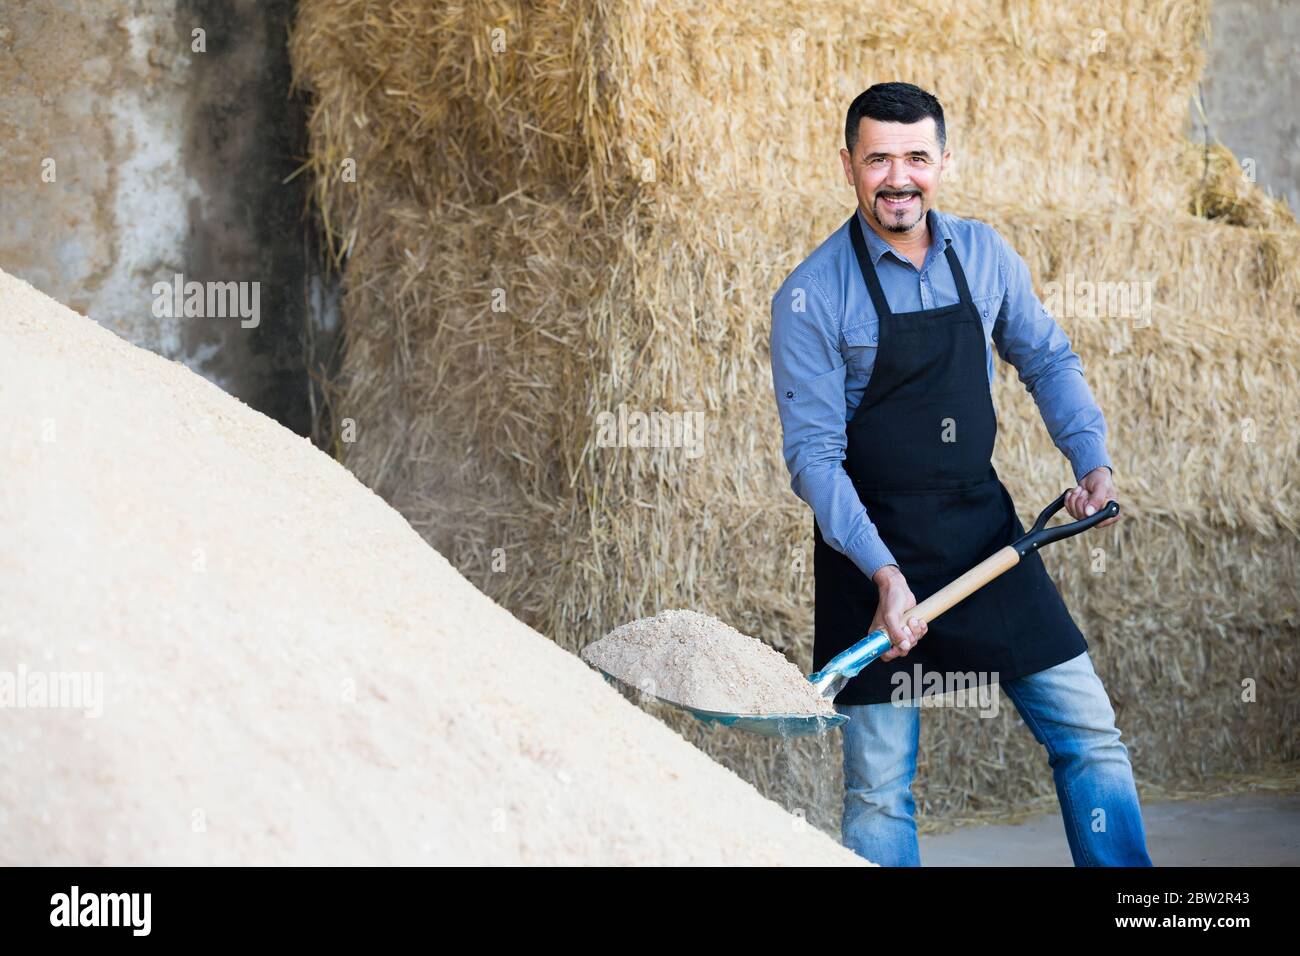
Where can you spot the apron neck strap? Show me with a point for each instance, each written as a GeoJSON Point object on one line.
{"type": "Point", "coordinates": [958, 276]}
{"type": "Point", "coordinates": [873, 281]}
{"type": "Point", "coordinates": [868, 270]}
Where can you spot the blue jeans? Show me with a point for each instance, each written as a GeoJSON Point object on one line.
{"type": "Point", "coordinates": [1067, 710]}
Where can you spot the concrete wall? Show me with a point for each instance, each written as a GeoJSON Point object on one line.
{"type": "Point", "coordinates": [128, 156]}
{"type": "Point", "coordinates": [1251, 90]}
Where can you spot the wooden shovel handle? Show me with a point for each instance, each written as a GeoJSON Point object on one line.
{"type": "Point", "coordinates": [1003, 560]}
{"type": "Point", "coordinates": [999, 562]}
{"type": "Point", "coordinates": [849, 663]}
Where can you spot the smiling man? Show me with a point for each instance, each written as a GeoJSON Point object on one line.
{"type": "Point", "coordinates": [882, 360]}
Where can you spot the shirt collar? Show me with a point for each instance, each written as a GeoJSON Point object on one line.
{"type": "Point", "coordinates": [877, 247]}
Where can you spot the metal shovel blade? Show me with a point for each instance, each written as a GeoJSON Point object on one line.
{"type": "Point", "coordinates": [847, 664]}
{"type": "Point", "coordinates": [772, 725]}
{"type": "Point", "coordinates": [767, 725]}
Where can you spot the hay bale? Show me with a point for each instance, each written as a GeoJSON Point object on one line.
{"type": "Point", "coordinates": [478, 100]}
{"type": "Point", "coordinates": [287, 674]}
{"type": "Point", "coordinates": [1226, 192]}
{"type": "Point", "coordinates": [631, 224]}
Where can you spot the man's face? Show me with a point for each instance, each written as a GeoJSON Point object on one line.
{"type": "Point", "coordinates": [895, 170]}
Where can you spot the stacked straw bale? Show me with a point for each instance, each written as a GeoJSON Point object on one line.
{"type": "Point", "coordinates": [561, 209]}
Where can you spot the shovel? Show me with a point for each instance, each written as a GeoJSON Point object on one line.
{"type": "Point", "coordinates": [830, 680]}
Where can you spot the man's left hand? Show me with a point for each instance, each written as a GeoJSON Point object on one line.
{"type": "Point", "coordinates": [1095, 489]}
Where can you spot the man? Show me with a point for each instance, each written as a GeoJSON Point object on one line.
{"type": "Point", "coordinates": [882, 360]}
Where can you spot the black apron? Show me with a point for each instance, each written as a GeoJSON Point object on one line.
{"type": "Point", "coordinates": [940, 509]}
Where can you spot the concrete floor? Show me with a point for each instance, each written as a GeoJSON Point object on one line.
{"type": "Point", "coordinates": [1243, 830]}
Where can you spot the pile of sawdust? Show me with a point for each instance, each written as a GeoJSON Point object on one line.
{"type": "Point", "coordinates": [284, 671]}
{"type": "Point", "coordinates": [694, 659]}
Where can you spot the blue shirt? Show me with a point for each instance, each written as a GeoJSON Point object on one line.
{"type": "Point", "coordinates": [823, 343]}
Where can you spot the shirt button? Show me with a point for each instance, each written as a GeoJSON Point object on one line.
{"type": "Point", "coordinates": [873, 336]}
{"type": "Point", "coordinates": [789, 394]}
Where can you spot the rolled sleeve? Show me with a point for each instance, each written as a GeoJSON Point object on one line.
{"type": "Point", "coordinates": [808, 376]}
{"type": "Point", "coordinates": [1027, 336]}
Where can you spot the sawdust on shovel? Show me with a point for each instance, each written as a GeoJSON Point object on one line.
{"type": "Point", "coordinates": [695, 659]}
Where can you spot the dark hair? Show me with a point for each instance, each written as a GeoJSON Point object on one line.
{"type": "Point", "coordinates": [893, 103]}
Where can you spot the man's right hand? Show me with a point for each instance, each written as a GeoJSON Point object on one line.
{"type": "Point", "coordinates": [895, 601]}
